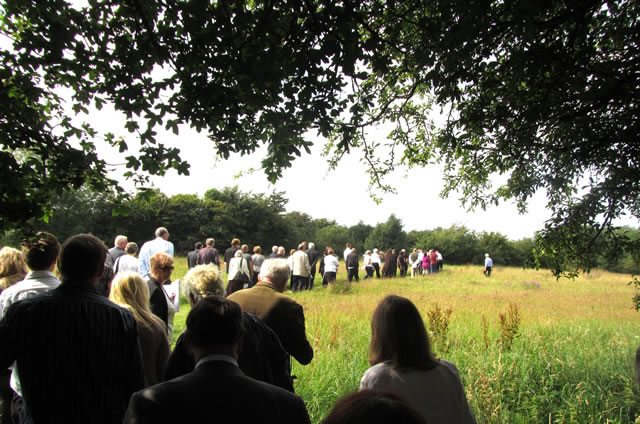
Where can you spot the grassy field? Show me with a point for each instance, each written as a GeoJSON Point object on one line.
{"type": "Point", "coordinates": [564, 353]}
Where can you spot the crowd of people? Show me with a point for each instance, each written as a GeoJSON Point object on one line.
{"type": "Point", "coordinates": [92, 344]}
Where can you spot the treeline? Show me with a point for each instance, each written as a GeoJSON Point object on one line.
{"type": "Point", "coordinates": [261, 219]}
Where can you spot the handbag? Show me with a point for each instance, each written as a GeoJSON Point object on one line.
{"type": "Point", "coordinates": [241, 276]}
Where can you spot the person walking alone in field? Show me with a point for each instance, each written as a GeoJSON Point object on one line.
{"type": "Point", "coordinates": [488, 265]}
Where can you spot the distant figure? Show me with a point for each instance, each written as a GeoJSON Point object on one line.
{"type": "Point", "coordinates": [440, 260]}
{"type": "Point", "coordinates": [257, 259]}
{"type": "Point", "coordinates": [283, 314]}
{"type": "Point", "coordinates": [403, 363]}
{"type": "Point", "coordinates": [12, 267]}
{"type": "Point", "coordinates": [77, 352]}
{"type": "Point", "coordinates": [376, 261]}
{"type": "Point", "coordinates": [274, 252]}
{"type": "Point", "coordinates": [352, 263]}
{"type": "Point", "coordinates": [216, 390]}
{"type": "Point", "coordinates": [373, 407]}
{"type": "Point", "coordinates": [346, 252]}
{"type": "Point", "coordinates": [160, 244]}
{"type": "Point", "coordinates": [128, 262]}
{"type": "Point", "coordinates": [300, 269]}
{"type": "Point", "coordinates": [281, 252]}
{"type": "Point", "coordinates": [131, 292]}
{"type": "Point", "coordinates": [209, 254]}
{"type": "Point", "coordinates": [230, 252]}
{"type": "Point", "coordinates": [366, 263]}
{"type": "Point", "coordinates": [390, 264]}
{"type": "Point", "coordinates": [403, 262]}
{"type": "Point", "coordinates": [262, 357]}
{"type": "Point", "coordinates": [331, 264]}
{"type": "Point", "coordinates": [247, 257]}
{"type": "Point", "coordinates": [488, 265]}
{"type": "Point", "coordinates": [118, 249]}
{"type": "Point", "coordinates": [192, 257]}
{"type": "Point", "coordinates": [414, 263]}
{"type": "Point", "coordinates": [238, 273]}
{"type": "Point", "coordinates": [314, 255]}
{"type": "Point", "coordinates": [160, 301]}
{"type": "Point", "coordinates": [433, 262]}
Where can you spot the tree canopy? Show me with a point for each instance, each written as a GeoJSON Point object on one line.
{"type": "Point", "coordinates": [544, 93]}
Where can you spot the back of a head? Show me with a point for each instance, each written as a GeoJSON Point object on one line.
{"type": "Point", "coordinates": [210, 242]}
{"type": "Point", "coordinates": [276, 270]}
{"type": "Point", "coordinates": [131, 291]}
{"type": "Point", "coordinates": [12, 267]}
{"type": "Point", "coordinates": [214, 321]}
{"type": "Point", "coordinates": [129, 288]}
{"type": "Point", "coordinates": [41, 251]}
{"type": "Point", "coordinates": [131, 248]}
{"type": "Point", "coordinates": [202, 281]}
{"type": "Point", "coordinates": [398, 336]}
{"type": "Point", "coordinates": [198, 245]}
{"type": "Point", "coordinates": [373, 407]}
{"type": "Point", "coordinates": [312, 245]}
{"type": "Point", "coordinates": [161, 231]}
{"type": "Point", "coordinates": [104, 283]}
{"type": "Point", "coordinates": [82, 257]}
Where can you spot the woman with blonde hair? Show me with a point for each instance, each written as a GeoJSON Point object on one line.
{"type": "Point", "coordinates": [403, 364]}
{"type": "Point", "coordinates": [12, 267]}
{"type": "Point", "coordinates": [131, 292]}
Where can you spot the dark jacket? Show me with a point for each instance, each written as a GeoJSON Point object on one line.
{"type": "Point", "coordinates": [216, 391]}
{"type": "Point", "coordinates": [262, 356]}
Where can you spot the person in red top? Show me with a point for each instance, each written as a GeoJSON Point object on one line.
{"type": "Point", "coordinates": [433, 260]}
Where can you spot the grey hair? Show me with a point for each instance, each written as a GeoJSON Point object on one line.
{"type": "Point", "coordinates": [160, 231]}
{"type": "Point", "coordinates": [311, 245]}
{"type": "Point", "coordinates": [238, 253]}
{"type": "Point", "coordinates": [119, 239]}
{"type": "Point", "coordinates": [202, 281]}
{"type": "Point", "coordinates": [275, 270]}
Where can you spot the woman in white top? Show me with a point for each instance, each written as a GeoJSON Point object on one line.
{"type": "Point", "coordinates": [402, 363]}
{"type": "Point", "coordinates": [330, 267]}
{"type": "Point", "coordinates": [376, 262]}
{"type": "Point", "coordinates": [238, 273]}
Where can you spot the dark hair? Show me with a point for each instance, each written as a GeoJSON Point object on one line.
{"type": "Point", "coordinates": [82, 257]}
{"type": "Point", "coordinates": [398, 336]}
{"type": "Point", "coordinates": [40, 251]}
{"type": "Point", "coordinates": [215, 321]}
{"type": "Point", "coordinates": [372, 407]}
{"type": "Point", "coordinates": [198, 245]}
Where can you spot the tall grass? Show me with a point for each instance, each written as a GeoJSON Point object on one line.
{"type": "Point", "coordinates": [571, 360]}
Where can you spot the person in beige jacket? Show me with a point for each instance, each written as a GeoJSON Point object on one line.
{"type": "Point", "coordinates": [301, 270]}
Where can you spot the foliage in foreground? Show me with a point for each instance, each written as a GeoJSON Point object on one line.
{"type": "Point", "coordinates": [572, 361]}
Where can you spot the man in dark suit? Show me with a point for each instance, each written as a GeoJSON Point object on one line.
{"type": "Point", "coordinates": [283, 314]}
{"type": "Point", "coordinates": [192, 257]}
{"type": "Point", "coordinates": [77, 353]}
{"type": "Point", "coordinates": [216, 390]}
{"type": "Point", "coordinates": [313, 255]}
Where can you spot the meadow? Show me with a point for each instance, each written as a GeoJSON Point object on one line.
{"type": "Point", "coordinates": [529, 348]}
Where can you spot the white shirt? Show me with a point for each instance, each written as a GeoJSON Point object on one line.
{"type": "Point", "coordinates": [346, 252]}
{"type": "Point", "coordinates": [148, 250]}
{"type": "Point", "coordinates": [126, 263]}
{"type": "Point", "coordinates": [217, 357]}
{"type": "Point", "coordinates": [300, 264]}
{"type": "Point", "coordinates": [366, 261]}
{"type": "Point", "coordinates": [375, 258]}
{"type": "Point", "coordinates": [34, 283]}
{"type": "Point", "coordinates": [330, 263]}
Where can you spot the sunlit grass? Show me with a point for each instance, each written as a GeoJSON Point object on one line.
{"type": "Point", "coordinates": [572, 360]}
